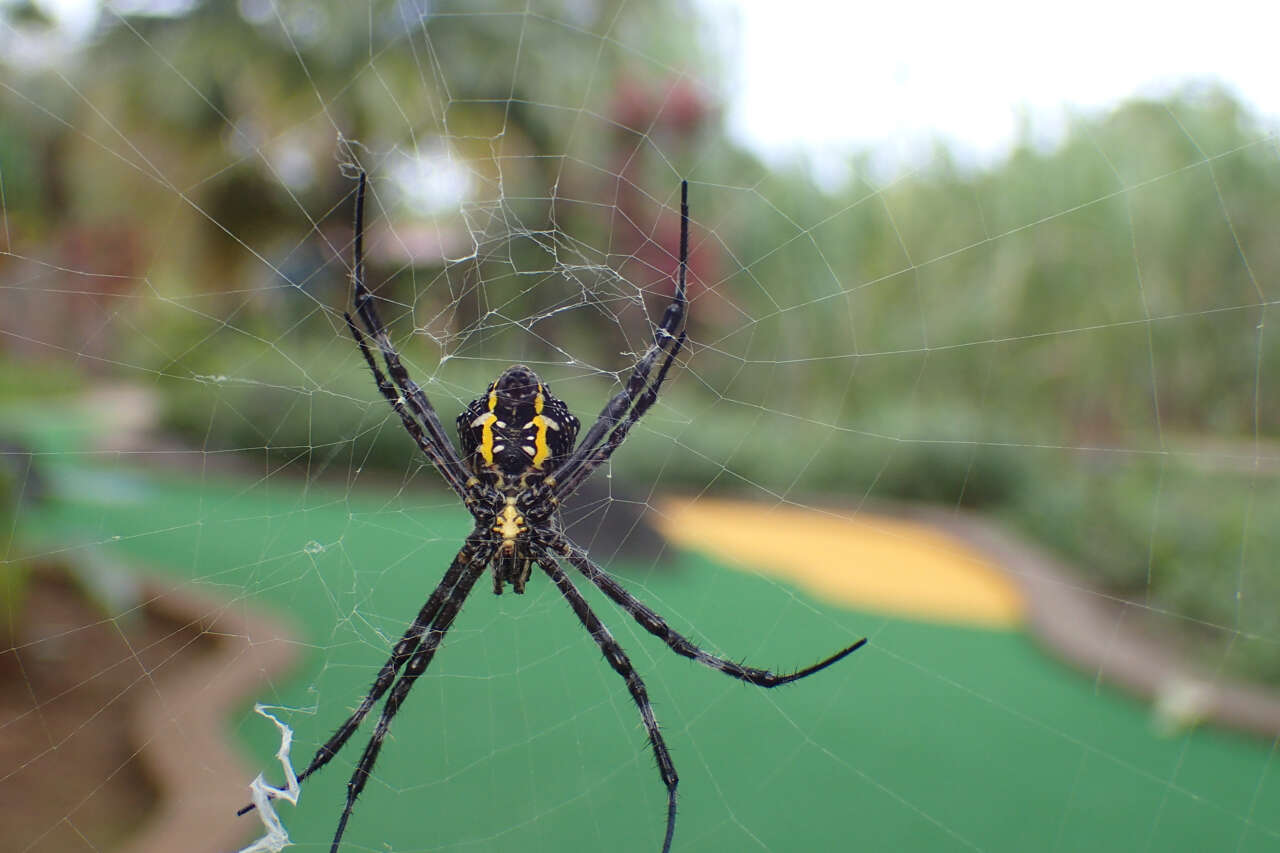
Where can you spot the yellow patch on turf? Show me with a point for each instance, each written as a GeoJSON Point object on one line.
{"type": "Point", "coordinates": [870, 562]}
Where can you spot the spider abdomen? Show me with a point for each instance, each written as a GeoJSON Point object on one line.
{"type": "Point", "coordinates": [516, 431]}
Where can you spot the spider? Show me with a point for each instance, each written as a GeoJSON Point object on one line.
{"type": "Point", "coordinates": [518, 465]}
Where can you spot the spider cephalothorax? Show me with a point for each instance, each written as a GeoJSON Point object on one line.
{"type": "Point", "coordinates": [519, 463]}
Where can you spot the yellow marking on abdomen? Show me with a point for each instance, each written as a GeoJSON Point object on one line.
{"type": "Point", "coordinates": [540, 422]}
{"type": "Point", "coordinates": [486, 427]}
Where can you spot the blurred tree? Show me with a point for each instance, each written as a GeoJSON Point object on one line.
{"type": "Point", "coordinates": [229, 114]}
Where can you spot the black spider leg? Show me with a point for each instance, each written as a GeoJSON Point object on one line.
{"type": "Point", "coordinates": [416, 665]}
{"type": "Point", "coordinates": [446, 458]}
{"type": "Point", "coordinates": [570, 470]}
{"type": "Point", "coordinates": [475, 550]}
{"type": "Point", "coordinates": [411, 425]}
{"type": "Point", "coordinates": [656, 625]}
{"type": "Point", "coordinates": [602, 453]}
{"type": "Point", "coordinates": [621, 664]}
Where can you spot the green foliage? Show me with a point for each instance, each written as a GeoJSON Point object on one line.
{"type": "Point", "coordinates": [26, 383]}
{"type": "Point", "coordinates": [1126, 269]}
{"type": "Point", "coordinates": [1195, 544]}
{"type": "Point", "coordinates": [336, 418]}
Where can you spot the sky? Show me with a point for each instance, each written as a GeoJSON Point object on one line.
{"type": "Point", "coordinates": [905, 74]}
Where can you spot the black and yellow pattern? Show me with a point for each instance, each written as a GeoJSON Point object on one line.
{"type": "Point", "coordinates": [512, 438]}
{"type": "Point", "coordinates": [517, 429]}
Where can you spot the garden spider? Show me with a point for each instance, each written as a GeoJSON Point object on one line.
{"type": "Point", "coordinates": [518, 466]}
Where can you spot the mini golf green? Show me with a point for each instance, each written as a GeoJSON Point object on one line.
{"type": "Point", "coordinates": [520, 737]}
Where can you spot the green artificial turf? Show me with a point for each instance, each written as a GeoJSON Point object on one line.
{"type": "Point", "coordinates": [520, 737]}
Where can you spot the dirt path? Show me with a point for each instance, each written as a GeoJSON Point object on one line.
{"type": "Point", "coordinates": [115, 728]}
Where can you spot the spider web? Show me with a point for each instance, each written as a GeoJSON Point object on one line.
{"type": "Point", "coordinates": [994, 417]}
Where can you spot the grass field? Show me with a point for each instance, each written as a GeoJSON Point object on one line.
{"type": "Point", "coordinates": [933, 738]}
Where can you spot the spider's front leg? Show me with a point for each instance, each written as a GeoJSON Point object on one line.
{"type": "Point", "coordinates": [639, 394]}
{"type": "Point", "coordinates": [401, 392]}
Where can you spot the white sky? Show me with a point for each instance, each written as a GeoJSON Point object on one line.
{"type": "Point", "coordinates": [820, 77]}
